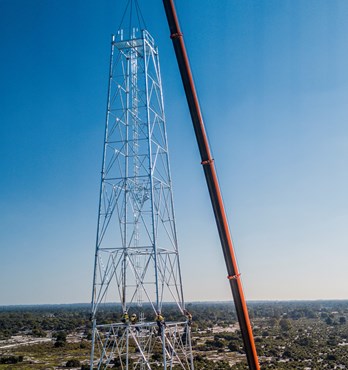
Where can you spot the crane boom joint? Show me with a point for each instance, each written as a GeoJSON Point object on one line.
{"type": "Point", "coordinates": [233, 277]}
{"type": "Point", "coordinates": [176, 35]}
{"type": "Point", "coordinates": [207, 162]}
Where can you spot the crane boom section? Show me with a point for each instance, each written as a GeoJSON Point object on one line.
{"type": "Point", "coordinates": [213, 184]}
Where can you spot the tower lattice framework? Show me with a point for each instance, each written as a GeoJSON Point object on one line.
{"type": "Point", "coordinates": [137, 268]}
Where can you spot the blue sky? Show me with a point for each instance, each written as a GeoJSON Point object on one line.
{"type": "Point", "coordinates": [272, 79]}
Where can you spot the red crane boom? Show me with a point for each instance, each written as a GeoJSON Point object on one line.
{"type": "Point", "coordinates": [213, 184]}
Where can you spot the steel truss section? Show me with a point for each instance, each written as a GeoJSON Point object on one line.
{"type": "Point", "coordinates": [137, 260]}
{"type": "Point", "coordinates": [140, 346]}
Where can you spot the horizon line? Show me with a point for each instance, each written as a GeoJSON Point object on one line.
{"type": "Point", "coordinates": [186, 303]}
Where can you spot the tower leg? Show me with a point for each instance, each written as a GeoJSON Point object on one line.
{"type": "Point", "coordinates": [93, 343]}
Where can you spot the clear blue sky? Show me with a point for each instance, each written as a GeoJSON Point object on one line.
{"type": "Point", "coordinates": [272, 78]}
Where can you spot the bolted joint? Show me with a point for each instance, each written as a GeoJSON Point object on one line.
{"type": "Point", "coordinates": [207, 162]}
{"type": "Point", "coordinates": [175, 35]}
{"type": "Point", "coordinates": [233, 277]}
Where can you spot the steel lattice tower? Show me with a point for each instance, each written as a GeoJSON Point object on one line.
{"type": "Point", "coordinates": [137, 266]}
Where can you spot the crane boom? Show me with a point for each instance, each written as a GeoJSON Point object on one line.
{"type": "Point", "coordinates": [213, 184]}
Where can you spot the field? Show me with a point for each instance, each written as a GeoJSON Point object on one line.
{"type": "Point", "coordinates": [288, 335]}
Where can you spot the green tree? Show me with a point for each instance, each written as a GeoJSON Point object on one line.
{"type": "Point", "coordinates": [60, 339]}
{"type": "Point", "coordinates": [285, 324]}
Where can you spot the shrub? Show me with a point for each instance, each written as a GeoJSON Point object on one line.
{"type": "Point", "coordinates": [11, 359]}
{"type": "Point", "coordinates": [73, 363]}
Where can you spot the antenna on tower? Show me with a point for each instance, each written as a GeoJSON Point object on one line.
{"type": "Point", "coordinates": [132, 18]}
